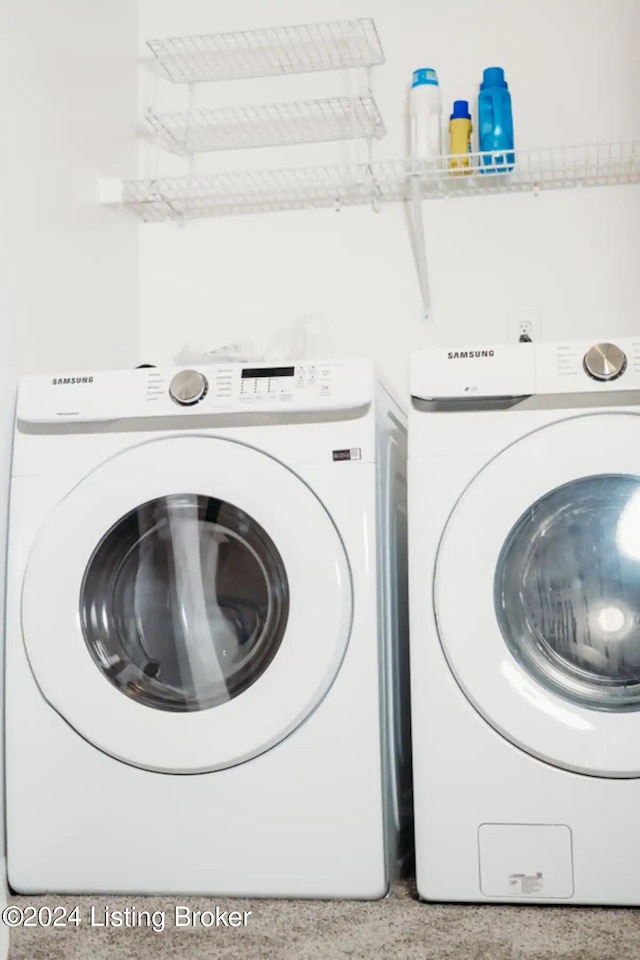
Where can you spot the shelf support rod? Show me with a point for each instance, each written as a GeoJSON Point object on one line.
{"type": "Point", "coordinates": [416, 228]}
{"type": "Point", "coordinates": [182, 222]}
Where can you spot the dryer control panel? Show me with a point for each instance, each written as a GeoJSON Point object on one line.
{"type": "Point", "coordinates": [525, 369]}
{"type": "Point", "coordinates": [256, 384]}
{"type": "Point", "coordinates": [225, 388]}
{"type": "Point", "coordinates": [263, 387]}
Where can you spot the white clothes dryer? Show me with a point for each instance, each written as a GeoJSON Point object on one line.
{"type": "Point", "coordinates": [524, 497]}
{"type": "Point", "coordinates": [205, 639]}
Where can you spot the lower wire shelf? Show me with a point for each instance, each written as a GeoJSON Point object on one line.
{"type": "Point", "coordinates": [474, 174]}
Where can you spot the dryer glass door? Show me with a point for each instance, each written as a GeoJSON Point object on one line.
{"type": "Point", "coordinates": [184, 602]}
{"type": "Point", "coordinates": [201, 611]}
{"type": "Point", "coordinates": [537, 593]}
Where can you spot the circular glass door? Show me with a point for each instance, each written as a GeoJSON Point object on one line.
{"type": "Point", "coordinates": [187, 605]}
{"type": "Point", "coordinates": [567, 591]}
{"type": "Point", "coordinates": [184, 602]}
{"type": "Point", "coordinates": [537, 593]}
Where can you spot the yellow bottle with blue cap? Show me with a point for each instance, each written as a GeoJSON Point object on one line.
{"type": "Point", "coordinates": [460, 138]}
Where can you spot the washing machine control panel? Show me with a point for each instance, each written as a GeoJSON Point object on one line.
{"type": "Point", "coordinates": [605, 361]}
{"type": "Point", "coordinates": [526, 369]}
{"type": "Point", "coordinates": [584, 367]}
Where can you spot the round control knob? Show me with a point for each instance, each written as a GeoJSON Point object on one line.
{"type": "Point", "coordinates": [188, 387]}
{"type": "Point", "coordinates": [605, 361]}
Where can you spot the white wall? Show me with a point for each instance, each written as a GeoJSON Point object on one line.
{"type": "Point", "coordinates": [574, 75]}
{"type": "Point", "coordinates": [68, 268]}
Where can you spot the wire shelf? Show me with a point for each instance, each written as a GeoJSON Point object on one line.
{"type": "Point", "coordinates": [267, 125]}
{"type": "Point", "coordinates": [336, 45]}
{"type": "Point", "coordinates": [586, 165]}
{"type": "Point", "coordinates": [265, 191]}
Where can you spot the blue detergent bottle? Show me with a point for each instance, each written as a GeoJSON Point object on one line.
{"type": "Point", "coordinates": [495, 123]}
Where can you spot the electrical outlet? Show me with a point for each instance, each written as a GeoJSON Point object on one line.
{"type": "Point", "coordinates": [524, 326]}
{"type": "Point", "coordinates": [525, 331]}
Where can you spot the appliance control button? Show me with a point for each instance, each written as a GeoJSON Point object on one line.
{"type": "Point", "coordinates": [188, 387]}
{"type": "Point", "coordinates": [605, 361]}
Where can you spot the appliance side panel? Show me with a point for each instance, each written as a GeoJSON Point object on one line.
{"type": "Point", "coordinates": [393, 627]}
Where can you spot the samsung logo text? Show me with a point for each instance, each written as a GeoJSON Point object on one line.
{"type": "Point", "coordinates": [469, 354]}
{"type": "Point", "coordinates": [58, 381]}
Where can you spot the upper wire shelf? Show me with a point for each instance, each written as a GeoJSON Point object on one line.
{"type": "Point", "coordinates": [267, 125]}
{"type": "Point", "coordinates": [337, 45]}
{"type": "Point", "coordinates": [262, 191]}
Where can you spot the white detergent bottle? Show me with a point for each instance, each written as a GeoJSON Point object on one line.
{"type": "Point", "coordinates": [425, 112]}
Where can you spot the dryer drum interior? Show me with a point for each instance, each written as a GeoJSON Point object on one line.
{"type": "Point", "coordinates": [184, 602]}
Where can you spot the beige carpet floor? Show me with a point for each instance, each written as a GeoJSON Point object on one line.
{"type": "Point", "coordinates": [398, 928]}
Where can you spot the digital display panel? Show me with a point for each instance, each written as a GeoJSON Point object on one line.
{"type": "Point", "coordinates": [251, 372]}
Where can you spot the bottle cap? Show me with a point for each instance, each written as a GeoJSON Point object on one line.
{"type": "Point", "coordinates": [424, 75]}
{"type": "Point", "coordinates": [493, 77]}
{"type": "Point", "coordinates": [460, 110]}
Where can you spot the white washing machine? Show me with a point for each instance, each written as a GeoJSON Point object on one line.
{"type": "Point", "coordinates": [524, 499]}
{"type": "Point", "coordinates": [205, 632]}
